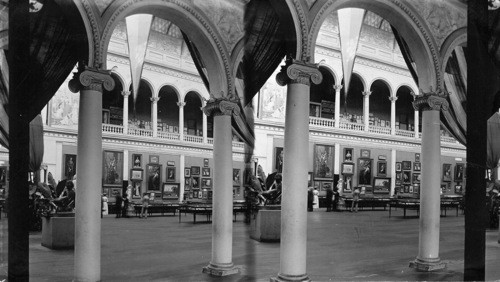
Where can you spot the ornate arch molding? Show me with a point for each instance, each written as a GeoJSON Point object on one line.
{"type": "Point", "coordinates": [456, 38]}
{"type": "Point", "coordinates": [384, 81]}
{"type": "Point", "coordinates": [93, 26]}
{"type": "Point", "coordinates": [299, 15]}
{"type": "Point", "coordinates": [186, 15]}
{"type": "Point", "coordinates": [401, 11]}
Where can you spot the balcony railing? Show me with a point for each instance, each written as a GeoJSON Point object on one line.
{"type": "Point", "coordinates": [405, 133]}
{"type": "Point", "coordinates": [321, 122]}
{"type": "Point", "coordinates": [111, 128]}
{"type": "Point", "coordinates": [380, 130]}
{"type": "Point", "coordinates": [140, 132]}
{"type": "Point", "coordinates": [194, 139]}
{"type": "Point", "coordinates": [352, 126]}
{"type": "Point", "coordinates": [168, 135]}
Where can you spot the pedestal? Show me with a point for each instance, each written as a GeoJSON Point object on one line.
{"type": "Point", "coordinates": [58, 232]}
{"type": "Point", "coordinates": [266, 224]}
{"type": "Point", "coordinates": [427, 266]}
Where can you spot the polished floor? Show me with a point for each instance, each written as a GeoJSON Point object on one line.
{"type": "Point", "coordinates": [363, 246]}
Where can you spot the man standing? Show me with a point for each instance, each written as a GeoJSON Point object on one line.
{"type": "Point", "coordinates": [118, 205]}
{"type": "Point", "coordinates": [329, 199]}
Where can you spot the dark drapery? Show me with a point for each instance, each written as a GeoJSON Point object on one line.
{"type": "Point", "coordinates": [493, 141]}
{"type": "Point", "coordinates": [36, 143]}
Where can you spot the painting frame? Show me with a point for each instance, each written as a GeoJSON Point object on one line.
{"type": "Point", "coordinates": [399, 167]}
{"type": "Point", "coordinates": [171, 174]}
{"type": "Point", "coordinates": [136, 174]}
{"type": "Point", "coordinates": [195, 170]}
{"type": "Point", "coordinates": [205, 172]}
{"type": "Point", "coordinates": [364, 153]}
{"type": "Point", "coordinates": [417, 166]}
{"type": "Point", "coordinates": [447, 173]}
{"type": "Point", "coordinates": [406, 165]}
{"type": "Point", "coordinates": [195, 182]}
{"type": "Point", "coordinates": [153, 179]}
{"type": "Point", "coordinates": [348, 155]}
{"type": "Point", "coordinates": [381, 185]}
{"type": "Point", "coordinates": [458, 189]}
{"type": "Point", "coordinates": [170, 163]}
{"type": "Point", "coordinates": [382, 168]}
{"type": "Point", "coordinates": [236, 177]}
{"type": "Point", "coordinates": [417, 157]}
{"type": "Point", "coordinates": [406, 177]}
{"type": "Point", "coordinates": [347, 185]}
{"type": "Point", "coordinates": [459, 172]}
{"type": "Point", "coordinates": [136, 160]}
{"type": "Point", "coordinates": [187, 172]}
{"type": "Point", "coordinates": [112, 168]}
{"type": "Point", "coordinates": [206, 183]}
{"type": "Point", "coordinates": [154, 159]}
{"type": "Point", "coordinates": [205, 162]}
{"type": "Point", "coordinates": [136, 189]}
{"type": "Point", "coordinates": [416, 178]}
{"type": "Point", "coordinates": [278, 159]}
{"type": "Point", "coordinates": [365, 171]}
{"type": "Point", "coordinates": [70, 166]}
{"type": "Point", "coordinates": [170, 191]}
{"type": "Point", "coordinates": [323, 162]}
{"type": "Point", "coordinates": [348, 168]}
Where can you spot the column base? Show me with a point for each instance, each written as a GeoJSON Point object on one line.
{"type": "Point", "coordinates": [221, 269]}
{"type": "Point", "coordinates": [286, 278]}
{"type": "Point", "coordinates": [427, 265]}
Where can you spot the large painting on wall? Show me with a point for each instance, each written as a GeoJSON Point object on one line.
{"type": "Point", "coordinates": [112, 173]}
{"type": "Point", "coordinates": [364, 171]}
{"type": "Point", "coordinates": [279, 159]}
{"type": "Point", "coordinates": [323, 162]}
{"type": "Point", "coordinates": [69, 166]}
{"type": "Point", "coordinates": [153, 177]}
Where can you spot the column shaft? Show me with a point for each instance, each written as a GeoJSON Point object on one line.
{"type": "Point", "coordinates": [393, 116]}
{"type": "Point", "coordinates": [366, 109]}
{"type": "Point", "coordinates": [181, 121]}
{"type": "Point", "coordinates": [393, 172]}
{"type": "Point", "coordinates": [337, 105]}
{"type": "Point", "coordinates": [417, 125]}
{"type": "Point", "coordinates": [126, 95]}
{"type": "Point", "coordinates": [205, 129]}
{"type": "Point", "coordinates": [293, 249]}
{"type": "Point", "coordinates": [88, 203]}
{"type": "Point", "coordinates": [154, 112]}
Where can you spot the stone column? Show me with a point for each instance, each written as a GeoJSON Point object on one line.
{"type": "Point", "coordinates": [337, 104]}
{"type": "Point", "coordinates": [181, 121]}
{"type": "Point", "coordinates": [154, 112]}
{"type": "Point", "coordinates": [366, 108]}
{"type": "Point", "coordinates": [430, 204]}
{"type": "Point", "coordinates": [205, 124]}
{"type": "Point", "coordinates": [393, 114]}
{"type": "Point", "coordinates": [416, 118]}
{"type": "Point", "coordinates": [297, 75]}
{"type": "Point", "coordinates": [221, 263]}
{"type": "Point", "coordinates": [89, 82]}
{"type": "Point", "coordinates": [125, 94]}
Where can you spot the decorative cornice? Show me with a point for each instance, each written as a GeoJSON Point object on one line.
{"type": "Point", "coordinates": [91, 79]}
{"type": "Point", "coordinates": [432, 101]}
{"type": "Point", "coordinates": [188, 9]}
{"type": "Point", "coordinates": [219, 107]}
{"type": "Point", "coordinates": [299, 72]}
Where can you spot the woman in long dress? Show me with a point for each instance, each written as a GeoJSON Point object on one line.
{"type": "Point", "coordinates": [315, 198]}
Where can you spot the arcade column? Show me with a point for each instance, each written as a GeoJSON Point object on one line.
{"type": "Point", "coordinates": [337, 104]}
{"type": "Point", "coordinates": [125, 94]}
{"type": "Point", "coordinates": [297, 76]}
{"type": "Point", "coordinates": [181, 120]}
{"type": "Point", "coordinates": [366, 109]}
{"type": "Point", "coordinates": [430, 202]}
{"type": "Point", "coordinates": [89, 81]}
{"type": "Point", "coordinates": [393, 114]}
{"type": "Point", "coordinates": [221, 263]}
{"type": "Point", "coordinates": [154, 112]}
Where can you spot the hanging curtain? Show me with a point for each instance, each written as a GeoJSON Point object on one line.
{"type": "Point", "coordinates": [493, 144]}
{"type": "Point", "coordinates": [36, 143]}
{"type": "Point", "coordinates": [405, 51]}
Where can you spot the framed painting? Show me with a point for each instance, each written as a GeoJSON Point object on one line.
{"type": "Point", "coordinates": [236, 177]}
{"type": "Point", "coordinates": [3, 175]}
{"type": "Point", "coordinates": [381, 185]}
{"type": "Point", "coordinates": [205, 162]}
{"type": "Point", "coordinates": [195, 170]}
{"type": "Point", "coordinates": [417, 157]}
{"type": "Point", "coordinates": [347, 187]}
{"type": "Point", "coordinates": [348, 154]}
{"type": "Point", "coordinates": [411, 189]}
{"type": "Point", "coordinates": [406, 177]}
{"type": "Point", "coordinates": [205, 172]}
{"type": "Point", "coordinates": [170, 163]}
{"type": "Point", "coordinates": [114, 192]}
{"type": "Point", "coordinates": [153, 172]}
{"type": "Point", "coordinates": [416, 188]}
{"type": "Point", "coordinates": [195, 194]}
{"type": "Point", "coordinates": [365, 153]}
{"type": "Point", "coordinates": [187, 182]}
{"type": "Point", "coordinates": [279, 159]}
{"type": "Point", "coordinates": [170, 174]}
{"type": "Point", "coordinates": [458, 189]}
{"type": "Point", "coordinates": [406, 165]}
{"type": "Point", "coordinates": [323, 162]}
{"type": "Point", "coordinates": [206, 183]}
{"type": "Point", "coordinates": [170, 191]}
{"type": "Point", "coordinates": [69, 166]}
{"type": "Point", "coordinates": [459, 172]}
{"type": "Point", "coordinates": [417, 166]}
{"type": "Point", "coordinates": [382, 168]}
{"type": "Point", "coordinates": [447, 172]}
{"type": "Point", "coordinates": [398, 167]}
{"type": "Point", "coordinates": [347, 168]}
{"type": "Point", "coordinates": [112, 173]}
{"type": "Point", "coordinates": [399, 178]}
{"type": "Point", "coordinates": [187, 172]}
{"type": "Point", "coordinates": [136, 174]}
{"type": "Point", "coordinates": [154, 159]}
{"type": "Point", "coordinates": [105, 116]}
{"type": "Point", "coordinates": [416, 178]}
{"type": "Point", "coordinates": [310, 182]}
{"type": "Point", "coordinates": [364, 171]}
{"type": "Point", "coordinates": [136, 160]}
{"type": "Point", "coordinates": [136, 189]}
{"type": "Point", "coordinates": [406, 189]}
{"type": "Point", "coordinates": [195, 182]}
{"type": "Point", "coordinates": [444, 187]}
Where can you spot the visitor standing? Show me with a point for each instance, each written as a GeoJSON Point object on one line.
{"type": "Point", "coordinates": [315, 198]}
{"type": "Point", "coordinates": [310, 198]}
{"type": "Point", "coordinates": [335, 199]}
{"type": "Point", "coordinates": [125, 205]}
{"type": "Point", "coordinates": [118, 205]}
{"type": "Point", "coordinates": [329, 199]}
{"type": "Point", "coordinates": [145, 206]}
{"type": "Point", "coordinates": [355, 200]}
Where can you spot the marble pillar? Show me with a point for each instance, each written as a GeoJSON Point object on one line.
{"type": "Point", "coordinates": [154, 113]}
{"type": "Point", "coordinates": [393, 114]}
{"type": "Point", "coordinates": [89, 82]}
{"type": "Point", "coordinates": [181, 120]}
{"type": "Point", "coordinates": [366, 109]}
{"type": "Point", "coordinates": [126, 95]}
{"type": "Point", "coordinates": [430, 203]}
{"type": "Point", "coordinates": [337, 104]}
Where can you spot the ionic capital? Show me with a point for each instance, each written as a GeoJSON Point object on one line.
{"type": "Point", "coordinates": [393, 99]}
{"type": "Point", "coordinates": [432, 101]}
{"type": "Point", "coordinates": [298, 72]}
{"type": "Point", "coordinates": [154, 99]}
{"type": "Point", "coordinates": [366, 93]}
{"type": "Point", "coordinates": [125, 94]}
{"type": "Point", "coordinates": [181, 104]}
{"type": "Point", "coordinates": [221, 107]}
{"type": "Point", "coordinates": [89, 78]}
{"type": "Point", "coordinates": [338, 87]}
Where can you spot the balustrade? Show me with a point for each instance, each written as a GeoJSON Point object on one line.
{"type": "Point", "coordinates": [168, 135]}
{"type": "Point", "coordinates": [352, 126]}
{"type": "Point", "coordinates": [111, 128]}
{"type": "Point", "coordinates": [140, 132]}
{"type": "Point", "coordinates": [321, 122]}
{"type": "Point", "coordinates": [379, 129]}
{"type": "Point", "coordinates": [405, 133]}
{"type": "Point", "coordinates": [194, 139]}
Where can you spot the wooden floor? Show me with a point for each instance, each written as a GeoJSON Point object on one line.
{"type": "Point", "coordinates": [363, 246]}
